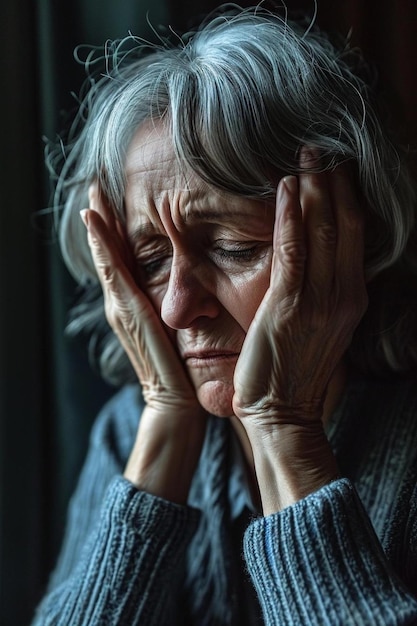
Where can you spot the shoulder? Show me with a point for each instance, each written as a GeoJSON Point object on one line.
{"type": "Point", "coordinates": [117, 422]}
{"type": "Point", "coordinates": [384, 399]}
{"type": "Point", "coordinates": [374, 431]}
{"type": "Point", "coordinates": [377, 417]}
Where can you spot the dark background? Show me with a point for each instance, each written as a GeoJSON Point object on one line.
{"type": "Point", "coordinates": [49, 395]}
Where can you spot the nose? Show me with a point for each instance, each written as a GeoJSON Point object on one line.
{"type": "Point", "coordinates": [189, 295]}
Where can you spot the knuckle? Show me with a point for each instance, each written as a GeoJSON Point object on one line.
{"type": "Point", "coordinates": [109, 274]}
{"type": "Point", "coordinates": [354, 224]}
{"type": "Point", "coordinates": [325, 234]}
{"type": "Point", "coordinates": [111, 313]}
{"type": "Point", "coordinates": [122, 314]}
{"type": "Point", "coordinates": [292, 252]}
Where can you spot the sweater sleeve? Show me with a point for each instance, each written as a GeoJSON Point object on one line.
{"type": "Point", "coordinates": [124, 551]}
{"type": "Point", "coordinates": [130, 568]}
{"type": "Point", "coordinates": [319, 563]}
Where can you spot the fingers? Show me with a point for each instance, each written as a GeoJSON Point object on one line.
{"type": "Point", "coordinates": [112, 273]}
{"type": "Point", "coordinates": [319, 238]}
{"type": "Point", "coordinates": [321, 229]}
{"type": "Point", "coordinates": [289, 249]}
{"type": "Point", "coordinates": [132, 316]}
{"type": "Point", "coordinates": [334, 230]}
{"type": "Point", "coordinates": [127, 310]}
{"type": "Point", "coordinates": [350, 228]}
{"type": "Point", "coordinates": [99, 203]}
{"type": "Point", "coordinates": [124, 302]}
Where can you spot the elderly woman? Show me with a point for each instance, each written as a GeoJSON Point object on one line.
{"type": "Point", "coordinates": [250, 226]}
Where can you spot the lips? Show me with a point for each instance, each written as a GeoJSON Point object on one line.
{"type": "Point", "coordinates": [208, 357]}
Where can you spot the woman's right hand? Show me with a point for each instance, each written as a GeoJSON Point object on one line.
{"type": "Point", "coordinates": [172, 426]}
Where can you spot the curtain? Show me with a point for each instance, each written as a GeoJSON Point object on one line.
{"type": "Point", "coordinates": [49, 395]}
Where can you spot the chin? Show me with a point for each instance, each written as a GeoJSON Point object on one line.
{"type": "Point", "coordinates": [216, 397]}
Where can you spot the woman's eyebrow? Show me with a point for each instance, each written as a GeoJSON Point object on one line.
{"type": "Point", "coordinates": [197, 214]}
{"type": "Point", "coordinates": [143, 231]}
{"type": "Point", "coordinates": [210, 214]}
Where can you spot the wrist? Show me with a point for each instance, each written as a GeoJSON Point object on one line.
{"type": "Point", "coordinates": [291, 461]}
{"type": "Point", "coordinates": [165, 454]}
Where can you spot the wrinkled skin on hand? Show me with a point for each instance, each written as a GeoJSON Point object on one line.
{"type": "Point", "coordinates": [132, 317]}
{"type": "Point", "coordinates": [172, 412]}
{"type": "Point", "coordinates": [302, 329]}
{"type": "Point", "coordinates": [316, 298]}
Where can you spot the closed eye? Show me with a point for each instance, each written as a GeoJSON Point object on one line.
{"type": "Point", "coordinates": [242, 253]}
{"type": "Point", "coordinates": [155, 266]}
{"type": "Point", "coordinates": [239, 252]}
{"type": "Point", "coordinates": [153, 261]}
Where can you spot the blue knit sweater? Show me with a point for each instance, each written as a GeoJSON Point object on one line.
{"type": "Point", "coordinates": [346, 554]}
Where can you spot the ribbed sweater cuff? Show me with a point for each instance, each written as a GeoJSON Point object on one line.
{"type": "Point", "coordinates": [319, 562]}
{"type": "Point", "coordinates": [140, 539]}
{"type": "Point", "coordinates": [146, 513]}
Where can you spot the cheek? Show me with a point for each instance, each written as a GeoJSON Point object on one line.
{"type": "Point", "coordinates": [156, 295]}
{"type": "Point", "coordinates": [244, 296]}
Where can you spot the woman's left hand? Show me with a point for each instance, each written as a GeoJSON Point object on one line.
{"type": "Point", "coordinates": [301, 331]}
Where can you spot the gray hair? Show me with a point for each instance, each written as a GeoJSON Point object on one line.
{"type": "Point", "coordinates": [240, 96]}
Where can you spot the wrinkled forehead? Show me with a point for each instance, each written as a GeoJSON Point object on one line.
{"type": "Point", "coordinates": [151, 140]}
{"type": "Point", "coordinates": [153, 169]}
{"type": "Point", "coordinates": [161, 190]}
{"type": "Point", "coordinates": [151, 154]}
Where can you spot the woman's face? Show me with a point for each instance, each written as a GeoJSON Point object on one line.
{"type": "Point", "coordinates": [203, 258]}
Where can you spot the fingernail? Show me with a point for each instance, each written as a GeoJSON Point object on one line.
{"type": "Point", "coordinates": [288, 186]}
{"type": "Point", "coordinates": [291, 183]}
{"type": "Point", "coordinates": [84, 217]}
